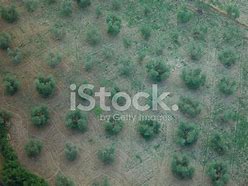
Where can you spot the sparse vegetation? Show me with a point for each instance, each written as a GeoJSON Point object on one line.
{"type": "Point", "coordinates": [31, 5]}
{"type": "Point", "coordinates": [45, 85]}
{"type": "Point", "coordinates": [146, 31]}
{"type": "Point", "coordinates": [126, 67]}
{"type": "Point", "coordinates": [149, 128]}
{"type": "Point", "coordinates": [227, 86]}
{"type": "Point", "coordinates": [5, 40]}
{"type": "Point", "coordinates": [58, 31]}
{"type": "Point", "coordinates": [218, 172]}
{"type": "Point", "coordinates": [33, 148]}
{"type": "Point", "coordinates": [189, 107]}
{"type": "Point", "coordinates": [11, 84]}
{"type": "Point", "coordinates": [116, 4]}
{"type": "Point", "coordinates": [71, 151]}
{"type": "Point", "coordinates": [195, 51]}
{"type": "Point", "coordinates": [40, 116]}
{"type": "Point", "coordinates": [157, 70]}
{"type": "Point", "coordinates": [77, 120]}
{"type": "Point", "coordinates": [193, 78]}
{"type": "Point", "coordinates": [66, 7]}
{"type": "Point", "coordinates": [83, 3]}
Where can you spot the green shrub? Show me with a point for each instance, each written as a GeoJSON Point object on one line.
{"type": "Point", "coordinates": [233, 34]}
{"type": "Point", "coordinates": [83, 3]}
{"type": "Point", "coordinates": [4, 117]}
{"type": "Point", "coordinates": [71, 151]}
{"type": "Point", "coordinates": [147, 10]}
{"type": "Point", "coordinates": [11, 84]}
{"type": "Point", "coordinates": [114, 25]}
{"type": "Point", "coordinates": [5, 40]}
{"type": "Point", "coordinates": [33, 148]}
{"type": "Point", "coordinates": [141, 54]}
{"type": "Point", "coordinates": [187, 134]}
{"type": "Point", "coordinates": [127, 42]}
{"type": "Point", "coordinates": [219, 144]}
{"type": "Point", "coordinates": [193, 78]}
{"type": "Point", "coordinates": [108, 52]}
{"type": "Point", "coordinates": [233, 11]}
{"type": "Point", "coordinates": [54, 59]}
{"type": "Point", "coordinates": [93, 36]}
{"type": "Point", "coordinates": [218, 172]}
{"type": "Point", "coordinates": [113, 126]}
{"type": "Point", "coordinates": [9, 14]}
{"type": "Point", "coordinates": [77, 121]}
{"type": "Point", "coordinates": [126, 67]}
{"type": "Point", "coordinates": [89, 62]}
{"type": "Point", "coordinates": [15, 55]}
{"type": "Point", "coordinates": [58, 31]}
{"type": "Point", "coordinates": [175, 37]}
{"type": "Point", "coordinates": [66, 7]}
{"type": "Point", "coordinates": [107, 155]}
{"type": "Point", "coordinates": [62, 180]}
{"type": "Point", "coordinates": [157, 70]}
{"type": "Point", "coordinates": [40, 116]}
{"type": "Point", "coordinates": [146, 31]}
{"type": "Point", "coordinates": [31, 5]}
{"type": "Point", "coordinates": [180, 167]}
{"type": "Point", "coordinates": [45, 85]}
{"type": "Point", "coordinates": [98, 11]}
{"type": "Point", "coordinates": [184, 15]}
{"type": "Point", "coordinates": [189, 107]}
{"type": "Point", "coordinates": [195, 51]}
{"type": "Point", "coordinates": [149, 128]}
{"type": "Point", "coordinates": [116, 4]}
{"type": "Point", "coordinates": [227, 86]}
{"type": "Point", "coordinates": [228, 57]}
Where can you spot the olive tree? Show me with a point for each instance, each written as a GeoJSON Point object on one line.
{"type": "Point", "coordinates": [9, 14]}
{"type": "Point", "coordinates": [33, 148]}
{"type": "Point", "coordinates": [71, 151]}
{"type": "Point", "coordinates": [187, 134]}
{"type": "Point", "coordinates": [77, 120]}
{"type": "Point", "coordinates": [218, 172]}
{"type": "Point", "coordinates": [5, 40]}
{"type": "Point", "coordinates": [93, 36]}
{"type": "Point", "coordinates": [114, 24]}
{"type": "Point", "coordinates": [157, 70]}
{"type": "Point", "coordinates": [227, 86]}
{"type": "Point", "coordinates": [149, 128]}
{"type": "Point", "coordinates": [15, 55]}
{"type": "Point", "coordinates": [11, 84]}
{"type": "Point", "coordinates": [189, 107]}
{"type": "Point", "coordinates": [193, 78]}
{"type": "Point", "coordinates": [62, 180]}
{"type": "Point", "coordinates": [45, 85]}
{"type": "Point", "coordinates": [107, 154]}
{"type": "Point", "coordinates": [113, 126]}
{"type": "Point", "coordinates": [219, 143]}
{"type": "Point", "coordinates": [40, 116]}
{"type": "Point", "coordinates": [54, 59]}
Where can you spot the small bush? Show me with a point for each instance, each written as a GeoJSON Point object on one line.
{"type": "Point", "coordinates": [175, 37]}
{"type": "Point", "coordinates": [15, 55]}
{"type": "Point", "coordinates": [218, 172]}
{"type": "Point", "coordinates": [54, 59]}
{"type": "Point", "coordinates": [62, 180]}
{"type": "Point", "coordinates": [57, 31]}
{"type": "Point", "coordinates": [9, 14]}
{"type": "Point", "coordinates": [193, 78]}
{"type": "Point", "coordinates": [184, 15]}
{"type": "Point", "coordinates": [89, 62]}
{"type": "Point", "coordinates": [98, 11]}
{"type": "Point", "coordinates": [93, 36]}
{"type": "Point", "coordinates": [71, 151]}
{"type": "Point", "coordinates": [228, 57]}
{"type": "Point", "coordinates": [187, 134]}
{"type": "Point", "coordinates": [5, 40]}
{"type": "Point", "coordinates": [233, 34]}
{"type": "Point", "coordinates": [31, 5]}
{"type": "Point", "coordinates": [4, 117]}
{"type": "Point", "coordinates": [45, 85]}
{"type": "Point", "coordinates": [189, 107]}
{"type": "Point", "coordinates": [219, 144]}
{"type": "Point", "coordinates": [199, 33]}
{"type": "Point", "coordinates": [149, 128]}
{"type": "Point", "coordinates": [227, 86]}
{"type": "Point", "coordinates": [77, 121]}
{"type": "Point", "coordinates": [116, 4]}
{"type": "Point", "coordinates": [195, 51]}
{"type": "Point", "coordinates": [233, 11]}
{"type": "Point", "coordinates": [33, 148]}
{"type": "Point", "coordinates": [113, 126]}
{"type": "Point", "coordinates": [126, 67]}
{"type": "Point", "coordinates": [127, 42]}
{"type": "Point", "coordinates": [146, 31]}
{"type": "Point", "coordinates": [11, 84]}
{"type": "Point", "coordinates": [114, 25]}
{"type": "Point", "coordinates": [40, 116]}
{"type": "Point", "coordinates": [83, 3]}
{"type": "Point", "coordinates": [66, 7]}
{"type": "Point", "coordinates": [108, 52]}
{"type": "Point", "coordinates": [141, 54]}
{"type": "Point", "coordinates": [158, 70]}
{"type": "Point", "coordinates": [180, 167]}
{"type": "Point", "coordinates": [107, 155]}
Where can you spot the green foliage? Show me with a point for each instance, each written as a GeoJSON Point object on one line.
{"type": "Point", "coordinates": [126, 67]}
{"type": "Point", "coordinates": [227, 115]}
{"type": "Point", "coordinates": [233, 34]}
{"type": "Point", "coordinates": [146, 31]}
{"type": "Point", "coordinates": [66, 7]}
{"type": "Point", "coordinates": [175, 37]}
{"type": "Point", "coordinates": [4, 117]}
{"type": "Point", "coordinates": [33, 148]}
{"type": "Point", "coordinates": [45, 85]}
{"type": "Point", "coordinates": [114, 24]}
{"type": "Point", "coordinates": [157, 70]}
{"type": "Point", "coordinates": [218, 172]}
{"type": "Point", "coordinates": [141, 54]}
{"type": "Point", "coordinates": [108, 52]}
{"type": "Point", "coordinates": [228, 57]}
{"type": "Point", "coordinates": [227, 86]}
{"type": "Point", "coordinates": [11, 84]}
{"type": "Point", "coordinates": [116, 4]}
{"type": "Point", "coordinates": [98, 11]}
{"type": "Point", "coordinates": [62, 180]}
{"type": "Point", "coordinates": [54, 59]}
{"type": "Point", "coordinates": [113, 126]}
{"type": "Point", "coordinates": [195, 51]}
{"type": "Point", "coordinates": [77, 121]}
{"type": "Point", "coordinates": [233, 11]}
{"type": "Point", "coordinates": [15, 55]}
{"type": "Point", "coordinates": [93, 36]}
{"type": "Point", "coordinates": [89, 62]}
{"type": "Point", "coordinates": [107, 155]}
{"type": "Point", "coordinates": [189, 107]}
{"type": "Point", "coordinates": [184, 15]}
{"type": "Point", "coordinates": [127, 42]}
{"type": "Point", "coordinates": [193, 78]}
{"type": "Point", "coordinates": [57, 31]}
{"type": "Point", "coordinates": [219, 144]}
{"type": "Point", "coordinates": [31, 5]}
{"type": "Point", "coordinates": [180, 167]}
{"type": "Point", "coordinates": [83, 3]}
{"type": "Point", "coordinates": [9, 14]}
{"type": "Point", "coordinates": [187, 134]}
{"type": "Point", "coordinates": [40, 116]}
{"type": "Point", "coordinates": [199, 32]}
{"type": "Point", "coordinates": [71, 151]}
{"type": "Point", "coordinates": [149, 128]}
{"type": "Point", "coordinates": [5, 40]}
